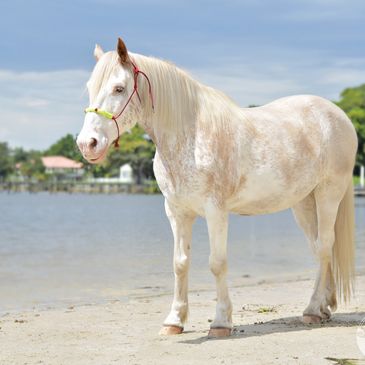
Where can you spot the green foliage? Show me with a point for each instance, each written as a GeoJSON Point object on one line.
{"type": "Point", "coordinates": [266, 310]}
{"type": "Point", "coordinates": [6, 166]}
{"type": "Point", "coordinates": [32, 167]}
{"type": "Point", "coordinates": [66, 146]}
{"type": "Point", "coordinates": [19, 155]}
{"type": "Point", "coordinates": [29, 163]}
{"type": "Point", "coordinates": [353, 103]}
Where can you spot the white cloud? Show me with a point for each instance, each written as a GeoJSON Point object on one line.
{"type": "Point", "coordinates": [37, 108]}
{"type": "Point", "coordinates": [34, 102]}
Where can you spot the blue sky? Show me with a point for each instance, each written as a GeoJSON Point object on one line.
{"type": "Point", "coordinates": [255, 51]}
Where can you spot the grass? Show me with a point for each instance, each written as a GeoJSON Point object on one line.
{"type": "Point", "coordinates": [266, 310]}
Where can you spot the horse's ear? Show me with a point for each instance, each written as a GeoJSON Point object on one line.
{"type": "Point", "coordinates": [98, 52]}
{"type": "Point", "coordinates": [122, 51]}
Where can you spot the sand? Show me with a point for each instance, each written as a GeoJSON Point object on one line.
{"type": "Point", "coordinates": [267, 331]}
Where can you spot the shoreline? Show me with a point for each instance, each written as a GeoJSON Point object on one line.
{"type": "Point", "coordinates": [150, 292]}
{"type": "Point", "coordinates": [267, 330]}
{"type": "Point", "coordinates": [85, 187]}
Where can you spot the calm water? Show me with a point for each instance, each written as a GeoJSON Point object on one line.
{"type": "Point", "coordinates": [62, 249]}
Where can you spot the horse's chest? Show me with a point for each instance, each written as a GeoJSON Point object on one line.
{"type": "Point", "coordinates": [177, 177]}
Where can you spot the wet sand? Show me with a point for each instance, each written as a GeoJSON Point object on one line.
{"type": "Point", "coordinates": [267, 330]}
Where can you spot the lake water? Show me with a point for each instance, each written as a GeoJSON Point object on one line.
{"type": "Point", "coordinates": [66, 249]}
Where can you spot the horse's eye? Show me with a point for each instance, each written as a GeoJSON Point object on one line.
{"type": "Point", "coordinates": [118, 89]}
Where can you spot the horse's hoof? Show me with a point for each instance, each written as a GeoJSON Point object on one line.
{"type": "Point", "coordinates": [326, 315]}
{"type": "Point", "coordinates": [219, 332]}
{"type": "Point", "coordinates": [311, 319]}
{"type": "Point", "coordinates": [171, 330]}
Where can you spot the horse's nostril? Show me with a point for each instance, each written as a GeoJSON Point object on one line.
{"type": "Point", "coordinates": [93, 143]}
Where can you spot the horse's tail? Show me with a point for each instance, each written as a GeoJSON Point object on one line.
{"type": "Point", "coordinates": [343, 255]}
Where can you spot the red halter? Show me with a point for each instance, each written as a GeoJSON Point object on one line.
{"type": "Point", "coordinates": [136, 72]}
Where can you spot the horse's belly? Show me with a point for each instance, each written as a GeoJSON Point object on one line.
{"type": "Point", "coordinates": [263, 196]}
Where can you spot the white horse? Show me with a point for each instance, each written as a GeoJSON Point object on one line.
{"type": "Point", "coordinates": [213, 157]}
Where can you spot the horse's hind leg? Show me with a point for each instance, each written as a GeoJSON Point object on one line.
{"type": "Point", "coordinates": [181, 223]}
{"type": "Point", "coordinates": [305, 213]}
{"type": "Point", "coordinates": [324, 294]}
{"type": "Point", "coordinates": [328, 196]}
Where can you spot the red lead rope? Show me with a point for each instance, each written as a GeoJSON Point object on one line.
{"type": "Point", "coordinates": [136, 72]}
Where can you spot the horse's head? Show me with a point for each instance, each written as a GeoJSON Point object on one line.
{"type": "Point", "coordinates": [112, 108]}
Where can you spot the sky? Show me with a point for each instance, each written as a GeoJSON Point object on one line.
{"type": "Point", "coordinates": [254, 51]}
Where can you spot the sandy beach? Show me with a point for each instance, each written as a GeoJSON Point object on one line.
{"type": "Point", "coordinates": [266, 318]}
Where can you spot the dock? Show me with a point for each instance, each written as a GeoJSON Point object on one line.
{"type": "Point", "coordinates": [78, 187]}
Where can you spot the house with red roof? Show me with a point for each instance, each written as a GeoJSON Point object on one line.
{"type": "Point", "coordinates": [62, 167]}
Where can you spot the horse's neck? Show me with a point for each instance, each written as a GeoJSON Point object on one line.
{"type": "Point", "coordinates": [176, 106]}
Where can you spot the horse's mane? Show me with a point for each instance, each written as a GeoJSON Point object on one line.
{"type": "Point", "coordinates": [179, 99]}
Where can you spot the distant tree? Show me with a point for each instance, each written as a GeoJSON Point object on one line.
{"type": "Point", "coordinates": [33, 166]}
{"type": "Point", "coordinates": [66, 146]}
{"type": "Point", "coordinates": [19, 155]}
{"type": "Point", "coordinates": [353, 103]}
{"type": "Point", "coordinates": [6, 166]}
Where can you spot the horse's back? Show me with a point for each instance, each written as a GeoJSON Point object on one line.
{"type": "Point", "coordinates": [313, 126]}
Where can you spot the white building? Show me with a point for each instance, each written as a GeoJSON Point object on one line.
{"type": "Point", "coordinates": [126, 174]}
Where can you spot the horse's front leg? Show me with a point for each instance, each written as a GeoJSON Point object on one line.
{"type": "Point", "coordinates": [217, 221]}
{"type": "Point", "coordinates": [181, 223]}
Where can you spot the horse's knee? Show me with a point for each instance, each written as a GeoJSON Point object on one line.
{"type": "Point", "coordinates": [217, 266]}
{"type": "Point", "coordinates": [181, 265]}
